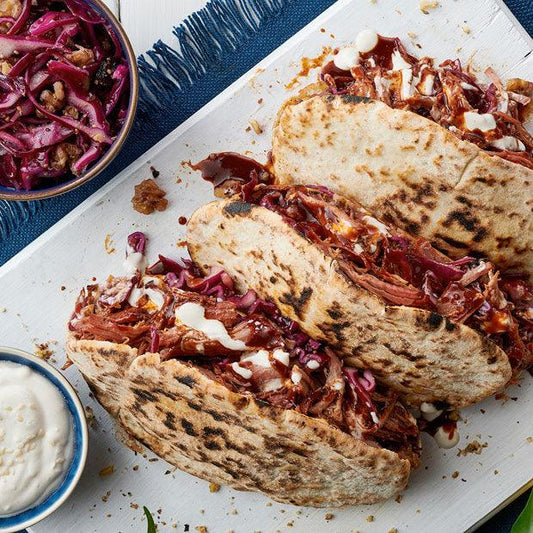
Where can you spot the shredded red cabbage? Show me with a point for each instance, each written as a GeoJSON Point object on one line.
{"type": "Point", "coordinates": [137, 242]}
{"type": "Point", "coordinates": [64, 92]}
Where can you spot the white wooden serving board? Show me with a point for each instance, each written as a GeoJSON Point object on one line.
{"type": "Point", "coordinates": [73, 251]}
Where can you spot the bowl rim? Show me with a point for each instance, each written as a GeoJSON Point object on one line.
{"type": "Point", "coordinates": [56, 190]}
{"type": "Point", "coordinates": [83, 445]}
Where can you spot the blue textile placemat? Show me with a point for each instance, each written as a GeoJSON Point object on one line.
{"type": "Point", "coordinates": [217, 45]}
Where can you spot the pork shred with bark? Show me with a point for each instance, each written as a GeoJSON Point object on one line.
{"type": "Point", "coordinates": [443, 93]}
{"type": "Point", "coordinates": [280, 364]}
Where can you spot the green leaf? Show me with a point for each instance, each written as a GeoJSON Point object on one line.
{"type": "Point", "coordinates": [524, 523]}
{"type": "Point", "coordinates": [151, 525]}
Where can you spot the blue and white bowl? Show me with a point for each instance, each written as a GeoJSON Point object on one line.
{"type": "Point", "coordinates": [40, 511]}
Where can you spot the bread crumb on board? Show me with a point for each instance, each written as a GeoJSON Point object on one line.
{"type": "Point", "coordinates": [214, 487]}
{"type": "Point", "coordinates": [107, 471]}
{"type": "Point", "coordinates": [256, 127]}
{"type": "Point", "coordinates": [108, 244]}
{"type": "Point", "coordinates": [370, 518]}
{"type": "Point", "coordinates": [43, 351]}
{"type": "Point", "coordinates": [426, 5]}
{"type": "Point", "coordinates": [475, 447]}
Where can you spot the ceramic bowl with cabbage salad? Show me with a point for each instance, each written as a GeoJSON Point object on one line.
{"type": "Point", "coordinates": [68, 88]}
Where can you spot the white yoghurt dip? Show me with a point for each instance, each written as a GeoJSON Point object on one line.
{"type": "Point", "coordinates": [36, 438]}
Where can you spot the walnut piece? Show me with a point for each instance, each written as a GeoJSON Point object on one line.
{"type": "Point", "coordinates": [65, 154]}
{"type": "Point", "coordinates": [10, 8]}
{"type": "Point", "coordinates": [54, 101]}
{"type": "Point", "coordinates": [149, 197]}
{"type": "Point", "coordinates": [81, 57]}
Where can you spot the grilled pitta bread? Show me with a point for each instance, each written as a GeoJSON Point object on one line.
{"type": "Point", "coordinates": [207, 430]}
{"type": "Point", "coordinates": [414, 351]}
{"type": "Point", "coordinates": [410, 171]}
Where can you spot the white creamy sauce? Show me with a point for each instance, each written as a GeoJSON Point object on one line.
{"type": "Point", "coordinates": [379, 226]}
{"type": "Point", "coordinates": [312, 364]}
{"type": "Point", "coordinates": [296, 375]}
{"type": "Point", "coordinates": [429, 412]}
{"type": "Point", "coordinates": [509, 143]}
{"type": "Point", "coordinates": [192, 315]}
{"type": "Point", "coordinates": [443, 439]}
{"type": "Point", "coordinates": [36, 438]}
{"type": "Point", "coordinates": [273, 384]}
{"type": "Point", "coordinates": [135, 261]}
{"type": "Point", "coordinates": [259, 358]}
{"type": "Point", "coordinates": [281, 356]}
{"type": "Point", "coordinates": [479, 121]}
{"type": "Point", "coordinates": [346, 58]}
{"type": "Point", "coordinates": [398, 62]}
{"type": "Point", "coordinates": [357, 248]}
{"type": "Point", "coordinates": [155, 297]}
{"type": "Point", "coordinates": [366, 41]}
{"type": "Point", "coordinates": [246, 373]}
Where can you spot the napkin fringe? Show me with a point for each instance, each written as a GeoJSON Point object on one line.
{"type": "Point", "coordinates": [203, 38]}
{"type": "Point", "coordinates": [14, 214]}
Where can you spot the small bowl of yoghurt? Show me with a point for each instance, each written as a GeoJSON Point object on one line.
{"type": "Point", "coordinates": [43, 439]}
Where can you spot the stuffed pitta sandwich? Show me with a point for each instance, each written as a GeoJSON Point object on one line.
{"type": "Point", "coordinates": [226, 388]}
{"type": "Point", "coordinates": [431, 328]}
{"type": "Point", "coordinates": [429, 148]}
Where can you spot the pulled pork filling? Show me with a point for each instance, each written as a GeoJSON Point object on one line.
{"type": "Point", "coordinates": [242, 342]}
{"type": "Point", "coordinates": [486, 114]}
{"type": "Point", "coordinates": [389, 263]}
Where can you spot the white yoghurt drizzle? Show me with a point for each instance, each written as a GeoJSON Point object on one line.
{"type": "Point", "coordinates": [479, 121]}
{"type": "Point", "coordinates": [192, 315]}
{"type": "Point", "coordinates": [443, 439]}
{"type": "Point", "coordinates": [156, 298]}
{"type": "Point", "coordinates": [376, 224]}
{"type": "Point", "coordinates": [348, 57]}
{"type": "Point", "coordinates": [135, 261]}
{"type": "Point", "coordinates": [261, 359]}
{"type": "Point", "coordinates": [36, 438]}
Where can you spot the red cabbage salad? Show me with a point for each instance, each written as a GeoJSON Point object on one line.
{"type": "Point", "coordinates": [64, 91]}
